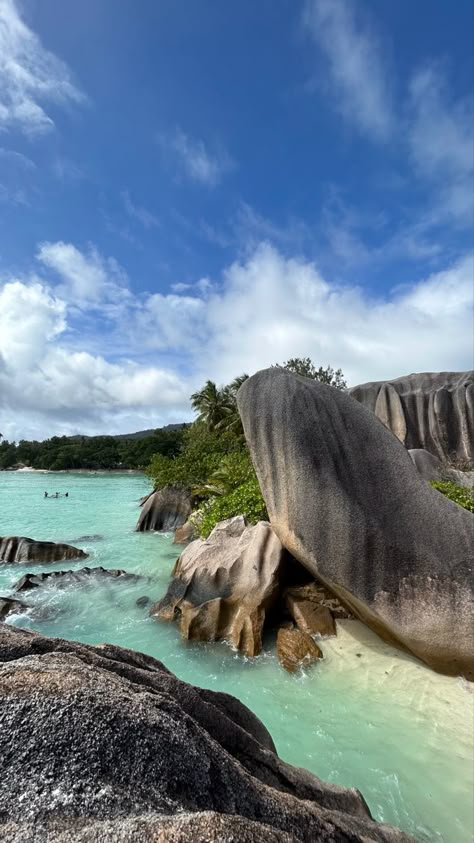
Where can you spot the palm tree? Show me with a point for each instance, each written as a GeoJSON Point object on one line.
{"type": "Point", "coordinates": [211, 403]}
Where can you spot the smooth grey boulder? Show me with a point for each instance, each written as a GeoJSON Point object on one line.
{"type": "Point", "coordinates": [105, 744]}
{"type": "Point", "coordinates": [345, 499]}
{"type": "Point", "coordinates": [164, 509]}
{"type": "Point", "coordinates": [434, 411]}
{"type": "Point", "coordinates": [15, 549]}
{"type": "Point", "coordinates": [431, 468]}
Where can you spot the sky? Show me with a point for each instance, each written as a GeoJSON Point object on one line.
{"type": "Point", "coordinates": [193, 190]}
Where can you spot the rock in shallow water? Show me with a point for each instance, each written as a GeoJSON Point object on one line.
{"type": "Point", "coordinates": [296, 649]}
{"type": "Point", "coordinates": [102, 743]}
{"type": "Point", "coordinates": [8, 605]}
{"type": "Point", "coordinates": [15, 549]}
{"type": "Point", "coordinates": [346, 500]}
{"type": "Point", "coordinates": [66, 578]}
{"type": "Point", "coordinates": [165, 509]}
{"type": "Point", "coordinates": [223, 587]}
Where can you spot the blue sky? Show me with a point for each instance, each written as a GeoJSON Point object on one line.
{"type": "Point", "coordinates": [196, 189]}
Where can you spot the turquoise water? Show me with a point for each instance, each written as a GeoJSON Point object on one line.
{"type": "Point", "coordinates": [367, 716]}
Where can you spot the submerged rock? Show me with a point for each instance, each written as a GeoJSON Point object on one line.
{"type": "Point", "coordinates": [66, 578]}
{"type": "Point", "coordinates": [434, 411]}
{"type": "Point", "coordinates": [142, 602]}
{"type": "Point", "coordinates": [15, 549]}
{"type": "Point", "coordinates": [346, 500]}
{"type": "Point", "coordinates": [102, 743]}
{"type": "Point", "coordinates": [164, 509]}
{"type": "Point", "coordinates": [223, 587]}
{"type": "Point", "coordinates": [296, 649]}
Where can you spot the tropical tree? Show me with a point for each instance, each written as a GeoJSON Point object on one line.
{"type": "Point", "coordinates": [211, 404]}
{"type": "Point", "coordinates": [305, 367]}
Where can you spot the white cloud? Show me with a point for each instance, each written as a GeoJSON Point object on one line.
{"type": "Point", "coordinates": [30, 76]}
{"type": "Point", "coordinates": [87, 280]}
{"type": "Point", "coordinates": [137, 212]}
{"type": "Point", "coordinates": [358, 81]}
{"type": "Point", "coordinates": [199, 163]}
{"type": "Point", "coordinates": [441, 138]}
{"type": "Point", "coordinates": [262, 310]}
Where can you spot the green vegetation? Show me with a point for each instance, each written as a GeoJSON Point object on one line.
{"type": "Point", "coordinates": [305, 367]}
{"type": "Point", "coordinates": [214, 464]}
{"type": "Point", "coordinates": [458, 494]}
{"type": "Point", "coordinates": [94, 452]}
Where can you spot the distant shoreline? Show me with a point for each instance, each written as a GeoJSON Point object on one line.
{"type": "Point", "coordinates": [28, 470]}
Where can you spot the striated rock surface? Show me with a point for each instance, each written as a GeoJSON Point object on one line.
{"type": "Point", "coordinates": [15, 549]}
{"type": "Point", "coordinates": [66, 578]}
{"type": "Point", "coordinates": [223, 587]}
{"type": "Point", "coordinates": [296, 649]}
{"type": "Point", "coordinates": [185, 534]}
{"type": "Point", "coordinates": [346, 500]}
{"type": "Point", "coordinates": [434, 411]}
{"type": "Point", "coordinates": [431, 468]}
{"type": "Point", "coordinates": [105, 744]}
{"type": "Point", "coordinates": [164, 510]}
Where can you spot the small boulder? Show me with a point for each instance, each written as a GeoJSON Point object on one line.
{"type": "Point", "coordinates": [18, 549]}
{"type": "Point", "coordinates": [185, 534]}
{"type": "Point", "coordinates": [142, 602]}
{"type": "Point", "coordinates": [296, 649]}
{"type": "Point", "coordinates": [165, 509]}
{"type": "Point", "coordinates": [223, 587]}
{"type": "Point", "coordinates": [311, 618]}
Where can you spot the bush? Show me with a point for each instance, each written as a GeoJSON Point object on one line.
{"type": "Point", "coordinates": [202, 454]}
{"type": "Point", "coordinates": [246, 500]}
{"type": "Point", "coordinates": [458, 494]}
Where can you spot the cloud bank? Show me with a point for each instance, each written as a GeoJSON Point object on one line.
{"type": "Point", "coordinates": [60, 373]}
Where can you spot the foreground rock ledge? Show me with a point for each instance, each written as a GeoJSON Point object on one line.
{"type": "Point", "coordinates": [345, 499]}
{"type": "Point", "coordinates": [102, 743]}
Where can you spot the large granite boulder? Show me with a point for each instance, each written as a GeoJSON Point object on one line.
{"type": "Point", "coordinates": [346, 500]}
{"type": "Point", "coordinates": [20, 549]}
{"type": "Point", "coordinates": [223, 587]}
{"type": "Point", "coordinates": [105, 744]}
{"type": "Point", "coordinates": [165, 509]}
{"type": "Point", "coordinates": [431, 468]}
{"type": "Point", "coordinates": [434, 411]}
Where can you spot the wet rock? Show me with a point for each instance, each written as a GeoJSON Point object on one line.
{"type": "Point", "coordinates": [18, 549]}
{"type": "Point", "coordinates": [64, 579]}
{"type": "Point", "coordinates": [94, 538]}
{"type": "Point", "coordinates": [345, 499]}
{"type": "Point", "coordinates": [309, 617]}
{"type": "Point", "coordinates": [433, 411]}
{"type": "Point", "coordinates": [223, 587]}
{"type": "Point", "coordinates": [296, 649]}
{"type": "Point", "coordinates": [105, 744]}
{"type": "Point", "coordinates": [142, 602]}
{"type": "Point", "coordinates": [318, 596]}
{"type": "Point", "coordinates": [8, 605]}
{"type": "Point", "coordinates": [165, 509]}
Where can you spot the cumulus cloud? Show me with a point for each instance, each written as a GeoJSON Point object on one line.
{"type": "Point", "coordinates": [198, 162]}
{"type": "Point", "coordinates": [30, 76]}
{"type": "Point", "coordinates": [262, 310]}
{"type": "Point", "coordinates": [357, 74]}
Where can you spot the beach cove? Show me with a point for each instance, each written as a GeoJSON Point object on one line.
{"type": "Point", "coordinates": [368, 716]}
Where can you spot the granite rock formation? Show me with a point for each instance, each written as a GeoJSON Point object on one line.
{"type": "Point", "coordinates": [8, 605]}
{"type": "Point", "coordinates": [223, 587]}
{"type": "Point", "coordinates": [346, 500]}
{"type": "Point", "coordinates": [101, 743]}
{"type": "Point", "coordinates": [18, 549]}
{"type": "Point", "coordinates": [164, 509]}
{"type": "Point", "coordinates": [434, 411]}
{"type": "Point", "coordinates": [431, 468]}
{"type": "Point", "coordinates": [296, 649]}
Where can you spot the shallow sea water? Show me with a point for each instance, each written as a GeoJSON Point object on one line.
{"type": "Point", "coordinates": [367, 716]}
